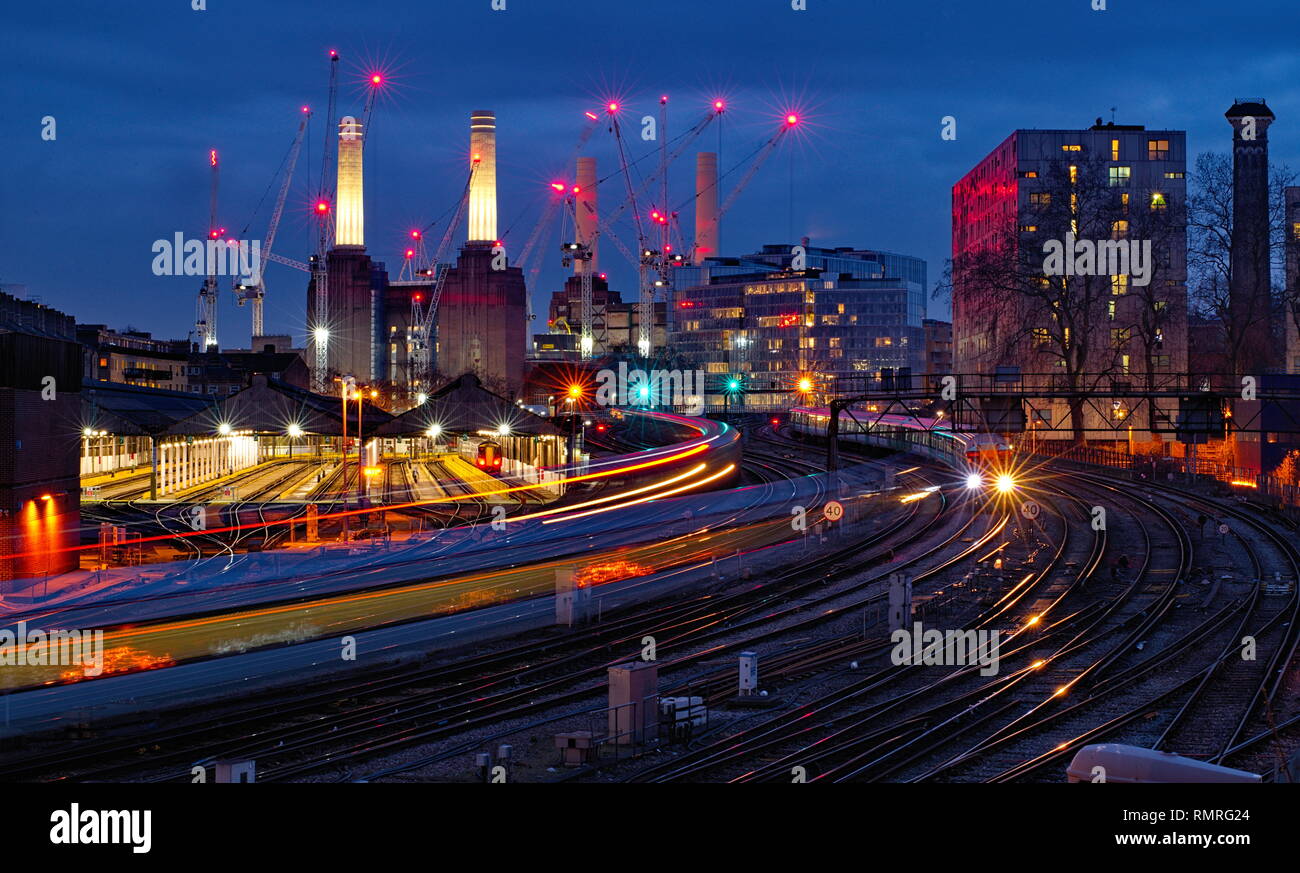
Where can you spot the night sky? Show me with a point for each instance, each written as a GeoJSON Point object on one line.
{"type": "Point", "coordinates": [141, 91]}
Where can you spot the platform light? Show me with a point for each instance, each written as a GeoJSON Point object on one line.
{"type": "Point", "coordinates": [434, 431]}
{"type": "Point", "coordinates": [421, 399]}
{"type": "Point", "coordinates": [321, 334]}
{"type": "Point", "coordinates": [372, 471]}
{"type": "Point", "coordinates": [223, 429]}
{"type": "Point", "coordinates": [1005, 483]}
{"type": "Point", "coordinates": [575, 391]}
{"type": "Point", "coordinates": [503, 430]}
{"type": "Point", "coordinates": [974, 481]}
{"type": "Point", "coordinates": [805, 385]}
{"type": "Point", "coordinates": [294, 431]}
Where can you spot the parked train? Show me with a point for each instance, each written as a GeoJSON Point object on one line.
{"type": "Point", "coordinates": [489, 455]}
{"type": "Point", "coordinates": [929, 437]}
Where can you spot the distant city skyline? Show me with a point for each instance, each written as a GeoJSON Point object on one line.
{"type": "Point", "coordinates": [140, 94]}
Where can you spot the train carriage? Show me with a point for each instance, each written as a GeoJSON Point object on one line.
{"type": "Point", "coordinates": [929, 437]}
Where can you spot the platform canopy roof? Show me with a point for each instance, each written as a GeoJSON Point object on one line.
{"type": "Point", "coordinates": [465, 406]}
{"type": "Point", "coordinates": [129, 410]}
{"type": "Point", "coordinates": [271, 406]}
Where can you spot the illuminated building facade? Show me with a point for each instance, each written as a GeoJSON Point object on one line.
{"type": "Point", "coordinates": [997, 203]}
{"type": "Point", "coordinates": [40, 426]}
{"type": "Point", "coordinates": [772, 326]}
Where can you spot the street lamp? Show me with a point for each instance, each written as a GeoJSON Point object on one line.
{"type": "Point", "coordinates": [293, 431]}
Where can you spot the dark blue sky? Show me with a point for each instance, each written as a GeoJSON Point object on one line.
{"type": "Point", "coordinates": [141, 90]}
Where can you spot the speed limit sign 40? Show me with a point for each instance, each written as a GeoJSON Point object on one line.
{"type": "Point", "coordinates": [833, 510]}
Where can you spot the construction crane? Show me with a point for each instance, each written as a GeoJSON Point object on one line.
{"type": "Point", "coordinates": [324, 213]}
{"type": "Point", "coordinates": [424, 313]}
{"type": "Point", "coordinates": [531, 269]}
{"type": "Point", "coordinates": [205, 324]}
{"type": "Point", "coordinates": [579, 250]}
{"type": "Point", "coordinates": [764, 152]}
{"type": "Point", "coordinates": [254, 290]}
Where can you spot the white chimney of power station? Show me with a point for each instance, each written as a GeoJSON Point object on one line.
{"type": "Point", "coordinates": [483, 188]}
{"type": "Point", "coordinates": [585, 207]}
{"type": "Point", "coordinates": [706, 206]}
{"type": "Point", "coordinates": [350, 225]}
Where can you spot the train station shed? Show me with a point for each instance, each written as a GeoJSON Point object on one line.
{"type": "Point", "coordinates": [464, 408]}
{"type": "Point", "coordinates": [274, 407]}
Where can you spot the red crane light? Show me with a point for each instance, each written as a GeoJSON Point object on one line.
{"type": "Point", "coordinates": [612, 108]}
{"type": "Point", "coordinates": [410, 253]}
{"type": "Point", "coordinates": [558, 186]}
{"type": "Point", "coordinates": [718, 105]}
{"type": "Point", "coordinates": [419, 297]}
{"type": "Point", "coordinates": [376, 79]}
{"type": "Point", "coordinates": [590, 115]}
{"type": "Point", "coordinates": [322, 206]}
{"type": "Point", "coordinates": [415, 234]}
{"type": "Point", "coordinates": [791, 120]}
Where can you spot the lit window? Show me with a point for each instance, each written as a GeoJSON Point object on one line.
{"type": "Point", "coordinates": [1110, 309]}
{"type": "Point", "coordinates": [1119, 177]}
{"type": "Point", "coordinates": [1119, 229]}
{"type": "Point", "coordinates": [1028, 228]}
{"type": "Point", "coordinates": [1074, 174]}
{"type": "Point", "coordinates": [1040, 198]}
{"type": "Point", "coordinates": [1118, 285]}
{"type": "Point", "coordinates": [1071, 148]}
{"type": "Point", "coordinates": [1157, 150]}
{"type": "Point", "coordinates": [883, 341]}
{"type": "Point", "coordinates": [1114, 150]}
{"type": "Point", "coordinates": [1175, 175]}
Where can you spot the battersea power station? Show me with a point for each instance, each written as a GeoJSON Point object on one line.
{"type": "Point", "coordinates": [427, 324]}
